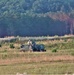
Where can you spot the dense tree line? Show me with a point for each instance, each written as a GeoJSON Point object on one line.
{"type": "Point", "coordinates": [34, 17]}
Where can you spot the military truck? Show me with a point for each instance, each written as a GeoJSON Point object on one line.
{"type": "Point", "coordinates": [33, 47]}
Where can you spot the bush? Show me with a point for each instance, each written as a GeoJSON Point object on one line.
{"type": "Point", "coordinates": [4, 56]}
{"type": "Point", "coordinates": [72, 53]}
{"type": "Point", "coordinates": [0, 45]}
{"type": "Point", "coordinates": [54, 50]}
{"type": "Point", "coordinates": [12, 46]}
{"type": "Point", "coordinates": [4, 51]}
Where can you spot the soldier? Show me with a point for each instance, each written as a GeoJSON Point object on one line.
{"type": "Point", "coordinates": [29, 42]}
{"type": "Point", "coordinates": [30, 45]}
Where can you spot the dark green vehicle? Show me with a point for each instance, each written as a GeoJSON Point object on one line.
{"type": "Point", "coordinates": [33, 47]}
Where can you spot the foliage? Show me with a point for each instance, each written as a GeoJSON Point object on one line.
{"type": "Point", "coordinates": [4, 56]}
{"type": "Point", "coordinates": [54, 50]}
{"type": "Point", "coordinates": [5, 50]}
{"type": "Point", "coordinates": [32, 17]}
{"type": "Point", "coordinates": [0, 45]}
{"type": "Point", "coordinates": [12, 46]}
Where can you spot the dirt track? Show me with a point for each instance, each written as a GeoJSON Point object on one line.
{"type": "Point", "coordinates": [62, 58]}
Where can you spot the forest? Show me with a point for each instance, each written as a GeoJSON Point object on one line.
{"type": "Point", "coordinates": [36, 17]}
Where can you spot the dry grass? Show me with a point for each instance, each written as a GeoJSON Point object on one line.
{"type": "Point", "coordinates": [43, 63]}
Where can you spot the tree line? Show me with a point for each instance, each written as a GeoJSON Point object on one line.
{"type": "Point", "coordinates": [36, 17]}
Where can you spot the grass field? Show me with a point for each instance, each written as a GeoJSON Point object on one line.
{"type": "Point", "coordinates": [12, 61]}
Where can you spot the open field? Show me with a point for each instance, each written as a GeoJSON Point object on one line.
{"type": "Point", "coordinates": [38, 63]}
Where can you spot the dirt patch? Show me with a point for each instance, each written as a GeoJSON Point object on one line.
{"type": "Point", "coordinates": [42, 58]}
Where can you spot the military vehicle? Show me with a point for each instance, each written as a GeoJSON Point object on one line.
{"type": "Point", "coordinates": [33, 47]}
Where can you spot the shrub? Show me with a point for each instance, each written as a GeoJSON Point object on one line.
{"type": "Point", "coordinates": [72, 53]}
{"type": "Point", "coordinates": [4, 51]}
{"type": "Point", "coordinates": [54, 50]}
{"type": "Point", "coordinates": [0, 45]}
{"type": "Point", "coordinates": [12, 46]}
{"type": "Point", "coordinates": [4, 56]}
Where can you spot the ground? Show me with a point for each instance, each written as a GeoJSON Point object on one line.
{"type": "Point", "coordinates": [12, 61]}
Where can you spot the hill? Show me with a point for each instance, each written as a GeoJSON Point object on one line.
{"type": "Point", "coordinates": [36, 17]}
